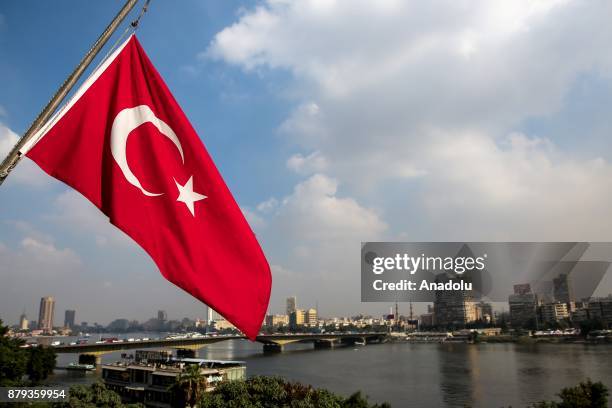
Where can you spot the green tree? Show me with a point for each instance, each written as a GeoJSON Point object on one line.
{"type": "Point", "coordinates": [189, 386]}
{"type": "Point", "coordinates": [41, 362]}
{"type": "Point", "coordinates": [13, 359]}
{"type": "Point", "coordinates": [274, 392]}
{"type": "Point", "coordinates": [95, 395]}
{"type": "Point", "coordinates": [587, 394]}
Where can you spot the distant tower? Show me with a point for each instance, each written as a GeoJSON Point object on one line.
{"type": "Point", "coordinates": [291, 305]}
{"type": "Point", "coordinates": [562, 289]}
{"type": "Point", "coordinates": [162, 316]}
{"type": "Point", "coordinates": [209, 316]}
{"type": "Point", "coordinates": [411, 312]}
{"type": "Point", "coordinates": [45, 313]}
{"type": "Point", "coordinates": [396, 316]}
{"type": "Point", "coordinates": [23, 321]}
{"type": "Point", "coordinates": [69, 318]}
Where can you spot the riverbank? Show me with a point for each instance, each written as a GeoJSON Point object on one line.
{"type": "Point", "coordinates": [429, 374]}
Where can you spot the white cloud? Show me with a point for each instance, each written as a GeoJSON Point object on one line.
{"type": "Point", "coordinates": [313, 163]}
{"type": "Point", "coordinates": [254, 219]}
{"type": "Point", "coordinates": [312, 238]}
{"type": "Point", "coordinates": [314, 215]}
{"type": "Point", "coordinates": [428, 96]}
{"type": "Point", "coordinates": [26, 172]}
{"type": "Point", "coordinates": [36, 259]}
{"type": "Point", "coordinates": [414, 108]}
{"type": "Point", "coordinates": [75, 213]}
{"type": "Point", "coordinates": [8, 138]}
{"type": "Point", "coordinates": [268, 205]}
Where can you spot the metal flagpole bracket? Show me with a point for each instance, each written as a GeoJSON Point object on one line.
{"type": "Point", "coordinates": [14, 155]}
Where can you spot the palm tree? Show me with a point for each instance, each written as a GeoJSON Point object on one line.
{"type": "Point", "coordinates": [189, 385]}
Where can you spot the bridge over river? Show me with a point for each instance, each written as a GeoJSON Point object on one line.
{"type": "Point", "coordinates": [91, 353]}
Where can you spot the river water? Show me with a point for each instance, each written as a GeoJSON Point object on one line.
{"type": "Point", "coordinates": [419, 375]}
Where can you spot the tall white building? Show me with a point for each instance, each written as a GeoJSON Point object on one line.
{"type": "Point", "coordinates": [24, 324]}
{"type": "Point", "coordinates": [209, 315]}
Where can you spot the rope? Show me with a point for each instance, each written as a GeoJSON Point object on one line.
{"type": "Point", "coordinates": [144, 9]}
{"type": "Point", "coordinates": [129, 29]}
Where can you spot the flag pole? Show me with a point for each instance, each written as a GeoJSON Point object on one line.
{"type": "Point", "coordinates": [14, 155]}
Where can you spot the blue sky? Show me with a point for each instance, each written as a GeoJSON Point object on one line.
{"type": "Point", "coordinates": [332, 123]}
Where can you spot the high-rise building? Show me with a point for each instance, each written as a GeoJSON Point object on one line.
{"type": "Point", "coordinates": [453, 308]}
{"type": "Point", "coordinates": [291, 305]}
{"type": "Point", "coordinates": [69, 318]}
{"type": "Point", "coordinates": [162, 316]}
{"type": "Point", "coordinates": [297, 318]}
{"type": "Point", "coordinates": [553, 312]}
{"type": "Point", "coordinates": [484, 312]}
{"type": "Point", "coordinates": [523, 307]}
{"type": "Point", "coordinates": [277, 320]}
{"type": "Point", "coordinates": [209, 315]}
{"type": "Point", "coordinates": [601, 309]}
{"type": "Point", "coordinates": [24, 324]}
{"type": "Point", "coordinates": [562, 289]}
{"type": "Point", "coordinates": [45, 313]}
{"type": "Point", "coordinates": [310, 317]}
{"type": "Point", "coordinates": [522, 289]}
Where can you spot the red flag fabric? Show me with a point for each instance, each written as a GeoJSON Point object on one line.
{"type": "Point", "coordinates": [124, 143]}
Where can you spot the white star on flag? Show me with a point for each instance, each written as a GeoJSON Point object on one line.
{"type": "Point", "coordinates": [187, 195]}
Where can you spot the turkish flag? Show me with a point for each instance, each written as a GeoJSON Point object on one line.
{"type": "Point", "coordinates": [124, 143]}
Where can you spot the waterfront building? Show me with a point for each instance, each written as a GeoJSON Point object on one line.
{"type": "Point", "coordinates": [453, 307]}
{"type": "Point", "coordinates": [148, 381]}
{"type": "Point", "coordinates": [554, 312]}
{"type": "Point", "coordinates": [427, 320]}
{"type": "Point", "coordinates": [23, 322]}
{"type": "Point", "coordinates": [277, 320]}
{"type": "Point", "coordinates": [310, 317]}
{"type": "Point", "coordinates": [209, 315]}
{"type": "Point", "coordinates": [45, 313]}
{"type": "Point", "coordinates": [522, 289]}
{"type": "Point", "coordinates": [69, 318]}
{"type": "Point", "coordinates": [118, 325]}
{"type": "Point", "coordinates": [523, 307]}
{"type": "Point", "coordinates": [297, 318]}
{"type": "Point", "coordinates": [484, 312]}
{"type": "Point", "coordinates": [291, 305]}
{"type": "Point", "coordinates": [523, 310]}
{"type": "Point", "coordinates": [162, 316]}
{"type": "Point", "coordinates": [579, 314]}
{"type": "Point", "coordinates": [601, 309]}
{"type": "Point", "coordinates": [222, 324]}
{"type": "Point", "coordinates": [562, 289]}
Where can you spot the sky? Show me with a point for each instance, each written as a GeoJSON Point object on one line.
{"type": "Point", "coordinates": [333, 123]}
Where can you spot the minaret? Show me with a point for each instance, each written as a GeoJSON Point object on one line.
{"type": "Point", "coordinates": [411, 315]}
{"type": "Point", "coordinates": [397, 322]}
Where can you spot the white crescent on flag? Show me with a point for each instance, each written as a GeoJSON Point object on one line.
{"type": "Point", "coordinates": [125, 122]}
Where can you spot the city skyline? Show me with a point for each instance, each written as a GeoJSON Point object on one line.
{"type": "Point", "coordinates": [448, 307]}
{"type": "Point", "coordinates": [358, 134]}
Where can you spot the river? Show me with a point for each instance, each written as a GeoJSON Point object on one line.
{"type": "Point", "coordinates": [419, 375]}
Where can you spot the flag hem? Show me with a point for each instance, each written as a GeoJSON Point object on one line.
{"type": "Point", "coordinates": [75, 98]}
